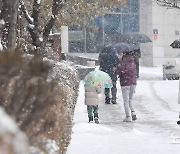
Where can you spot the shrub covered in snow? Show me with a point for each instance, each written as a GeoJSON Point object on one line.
{"type": "Point", "coordinates": [40, 95]}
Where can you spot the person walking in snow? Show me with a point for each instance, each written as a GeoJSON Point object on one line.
{"type": "Point", "coordinates": [137, 55]}
{"type": "Point", "coordinates": [178, 71]}
{"type": "Point", "coordinates": [92, 101]}
{"type": "Point", "coordinates": [178, 122]}
{"type": "Point", "coordinates": [127, 74]}
{"type": "Point", "coordinates": [108, 62]}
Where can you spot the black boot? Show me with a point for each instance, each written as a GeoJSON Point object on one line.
{"type": "Point", "coordinates": [107, 100]}
{"type": "Point", "coordinates": [113, 101]}
{"type": "Point", "coordinates": [178, 122]}
{"type": "Point", "coordinates": [90, 119]}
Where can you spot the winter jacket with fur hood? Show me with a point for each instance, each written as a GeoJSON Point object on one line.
{"type": "Point", "coordinates": [127, 71]}
{"type": "Point", "coordinates": [91, 95]}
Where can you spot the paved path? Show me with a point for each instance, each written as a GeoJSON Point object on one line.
{"type": "Point", "coordinates": [154, 115]}
{"type": "Point", "coordinates": [150, 134]}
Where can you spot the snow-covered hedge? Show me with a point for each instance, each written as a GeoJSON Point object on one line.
{"type": "Point", "coordinates": [41, 96]}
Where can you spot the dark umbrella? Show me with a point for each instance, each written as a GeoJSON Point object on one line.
{"type": "Point", "coordinates": [99, 47]}
{"type": "Point", "coordinates": [134, 38]}
{"type": "Point", "coordinates": [175, 44]}
{"type": "Point", "coordinates": [125, 47]}
{"type": "Point", "coordinates": [107, 49]}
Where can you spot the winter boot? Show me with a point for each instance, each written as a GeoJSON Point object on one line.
{"type": "Point", "coordinates": [90, 119]}
{"type": "Point", "coordinates": [127, 119]}
{"type": "Point", "coordinates": [133, 116]}
{"type": "Point", "coordinates": [96, 115]}
{"type": "Point", "coordinates": [107, 100]}
{"type": "Point", "coordinates": [96, 120]}
{"type": "Point", "coordinates": [113, 101]}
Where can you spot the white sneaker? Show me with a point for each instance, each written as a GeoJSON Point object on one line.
{"type": "Point", "coordinates": [127, 119]}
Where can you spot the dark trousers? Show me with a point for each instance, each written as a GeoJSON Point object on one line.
{"type": "Point", "coordinates": [92, 109]}
{"type": "Point", "coordinates": [137, 67]}
{"type": "Point", "coordinates": [113, 91]}
{"type": "Point", "coordinates": [137, 70]}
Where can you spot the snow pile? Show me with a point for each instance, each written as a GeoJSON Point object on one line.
{"type": "Point", "coordinates": [13, 141]}
{"type": "Point", "coordinates": [52, 147]}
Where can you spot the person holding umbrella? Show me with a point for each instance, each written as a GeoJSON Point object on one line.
{"type": "Point", "coordinates": [176, 45]}
{"type": "Point", "coordinates": [108, 62]}
{"type": "Point", "coordinates": [94, 81]}
{"type": "Point", "coordinates": [136, 39]}
{"type": "Point", "coordinates": [92, 101]}
{"type": "Point", "coordinates": [127, 73]}
{"type": "Point", "coordinates": [178, 65]}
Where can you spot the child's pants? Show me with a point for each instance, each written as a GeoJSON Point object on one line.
{"type": "Point", "coordinates": [127, 93]}
{"type": "Point", "coordinates": [92, 109]}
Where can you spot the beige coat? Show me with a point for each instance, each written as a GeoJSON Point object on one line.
{"type": "Point", "coordinates": [91, 95]}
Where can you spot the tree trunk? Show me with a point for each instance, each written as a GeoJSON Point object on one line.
{"type": "Point", "coordinates": [9, 15]}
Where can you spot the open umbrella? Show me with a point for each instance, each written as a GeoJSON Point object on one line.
{"type": "Point", "coordinates": [134, 38]}
{"type": "Point", "coordinates": [107, 48]}
{"type": "Point", "coordinates": [98, 79]}
{"type": "Point", "coordinates": [124, 47]}
{"type": "Point", "coordinates": [175, 44]}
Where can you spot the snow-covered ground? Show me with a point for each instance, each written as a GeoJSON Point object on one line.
{"type": "Point", "coordinates": [155, 130]}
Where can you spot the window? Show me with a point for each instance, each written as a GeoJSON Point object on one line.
{"type": "Point", "coordinates": [121, 20]}
{"type": "Point", "coordinates": [130, 23]}
{"type": "Point", "coordinates": [112, 23]}
{"type": "Point", "coordinates": [134, 7]}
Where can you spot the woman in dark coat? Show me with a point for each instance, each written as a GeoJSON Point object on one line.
{"type": "Point", "coordinates": [137, 55]}
{"type": "Point", "coordinates": [108, 62]}
{"type": "Point", "coordinates": [127, 73]}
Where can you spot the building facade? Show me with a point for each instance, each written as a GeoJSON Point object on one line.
{"type": "Point", "coordinates": [161, 24]}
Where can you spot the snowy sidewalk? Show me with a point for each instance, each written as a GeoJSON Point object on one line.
{"type": "Point", "coordinates": [150, 134]}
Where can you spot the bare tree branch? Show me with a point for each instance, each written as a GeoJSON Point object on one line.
{"type": "Point", "coordinates": [25, 12]}
{"type": "Point", "coordinates": [63, 12]}
{"type": "Point", "coordinates": [169, 3]}
{"type": "Point", "coordinates": [35, 13]}
{"type": "Point", "coordinates": [33, 21]}
{"type": "Point", "coordinates": [57, 5]}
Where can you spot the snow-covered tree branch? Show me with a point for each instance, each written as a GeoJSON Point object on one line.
{"type": "Point", "coordinates": [41, 16]}
{"type": "Point", "coordinates": [169, 3]}
{"type": "Point", "coordinates": [57, 5]}
{"type": "Point", "coordinates": [38, 33]}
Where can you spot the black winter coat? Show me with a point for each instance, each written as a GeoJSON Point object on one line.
{"type": "Point", "coordinates": [108, 60]}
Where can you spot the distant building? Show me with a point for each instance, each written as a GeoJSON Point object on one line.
{"type": "Point", "coordinates": [162, 25]}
